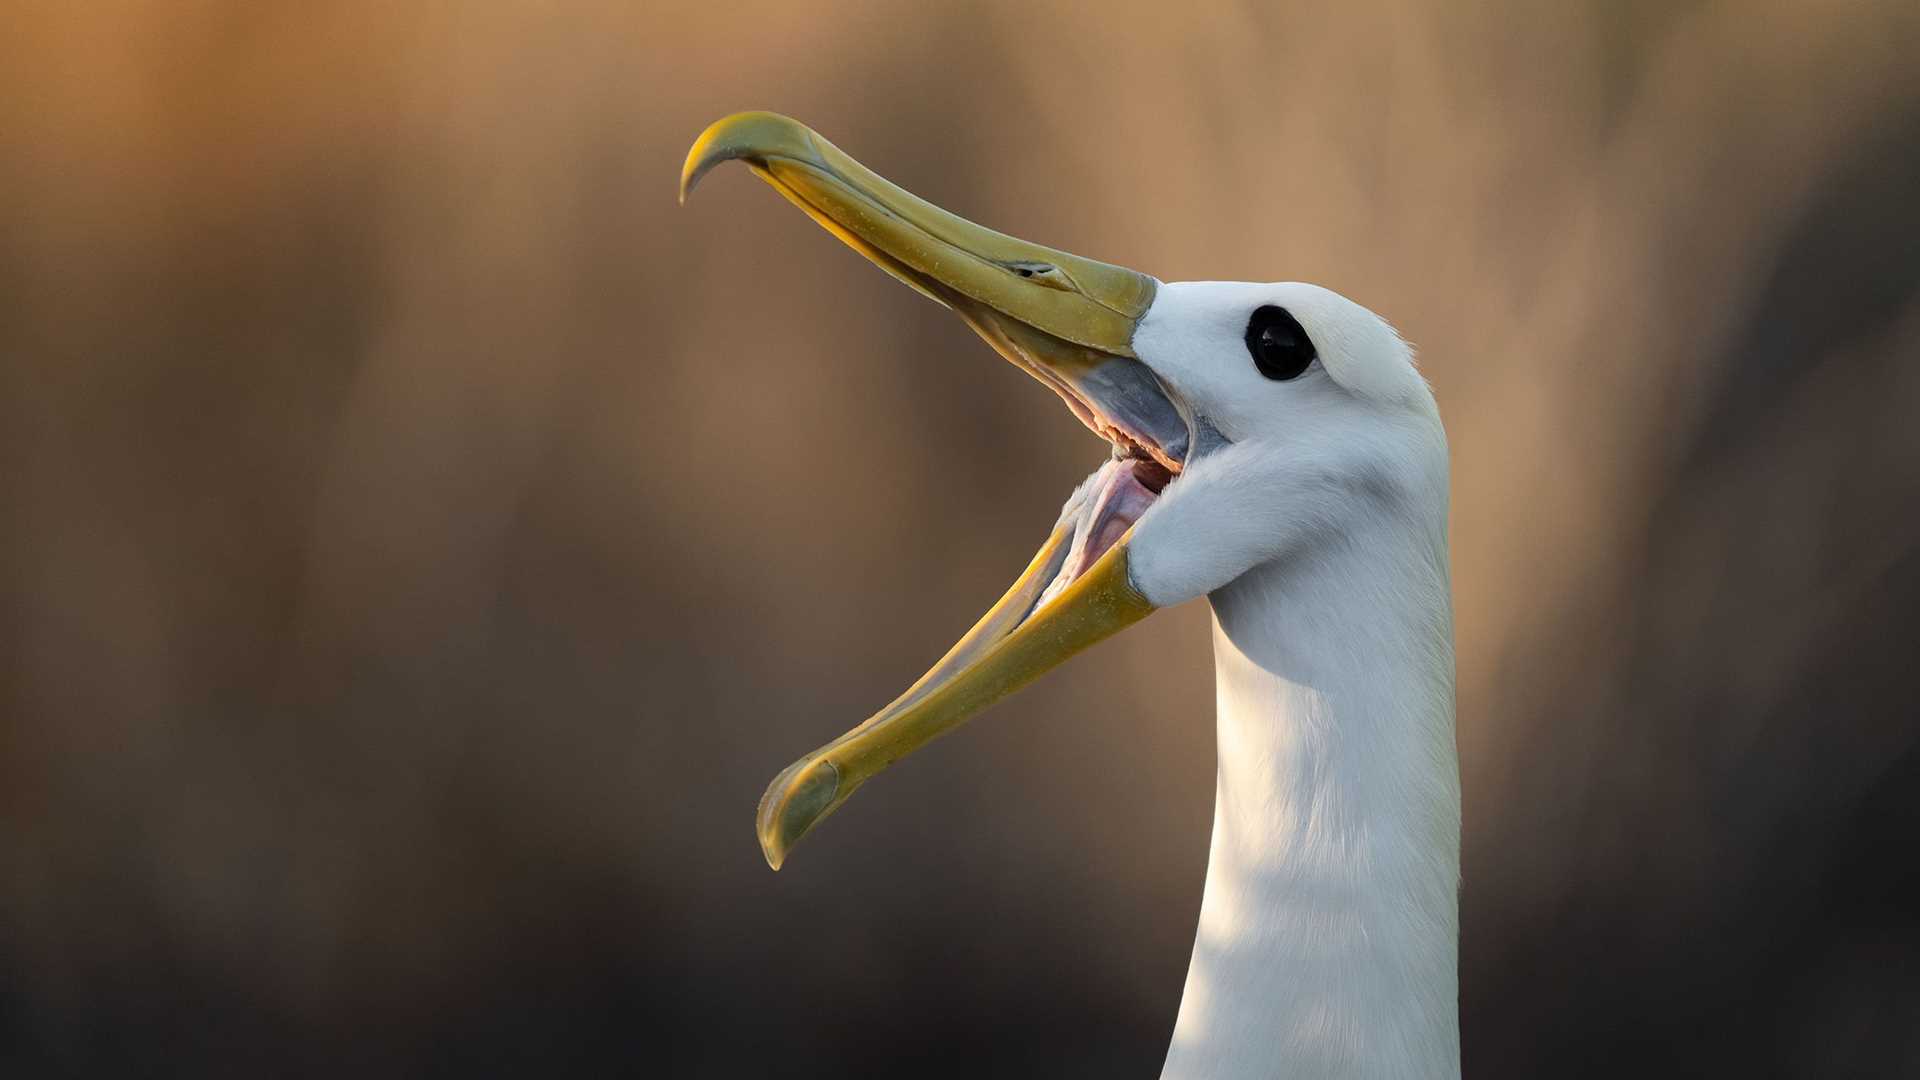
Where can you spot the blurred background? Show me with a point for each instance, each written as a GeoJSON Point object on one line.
{"type": "Point", "coordinates": [423, 539]}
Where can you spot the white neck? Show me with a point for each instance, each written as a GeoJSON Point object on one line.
{"type": "Point", "coordinates": [1328, 933]}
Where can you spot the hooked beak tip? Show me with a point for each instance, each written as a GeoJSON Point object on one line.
{"type": "Point", "coordinates": [798, 799]}
{"type": "Point", "coordinates": [749, 136]}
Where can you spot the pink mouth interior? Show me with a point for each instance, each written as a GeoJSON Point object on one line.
{"type": "Point", "coordinates": [1102, 511]}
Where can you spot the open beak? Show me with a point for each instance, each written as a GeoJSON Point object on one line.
{"type": "Point", "coordinates": [1069, 322]}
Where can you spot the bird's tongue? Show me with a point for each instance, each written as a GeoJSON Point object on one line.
{"type": "Point", "coordinates": [1102, 511]}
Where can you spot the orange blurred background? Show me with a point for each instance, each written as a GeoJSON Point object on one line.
{"type": "Point", "coordinates": [424, 539]}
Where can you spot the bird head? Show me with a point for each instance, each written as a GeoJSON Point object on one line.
{"type": "Point", "coordinates": [1247, 423]}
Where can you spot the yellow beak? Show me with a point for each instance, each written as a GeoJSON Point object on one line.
{"type": "Point", "coordinates": [1068, 321]}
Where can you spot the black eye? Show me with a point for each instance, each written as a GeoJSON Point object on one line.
{"type": "Point", "coordinates": [1281, 350]}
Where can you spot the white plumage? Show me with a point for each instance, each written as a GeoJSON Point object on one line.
{"type": "Point", "coordinates": [1328, 932]}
